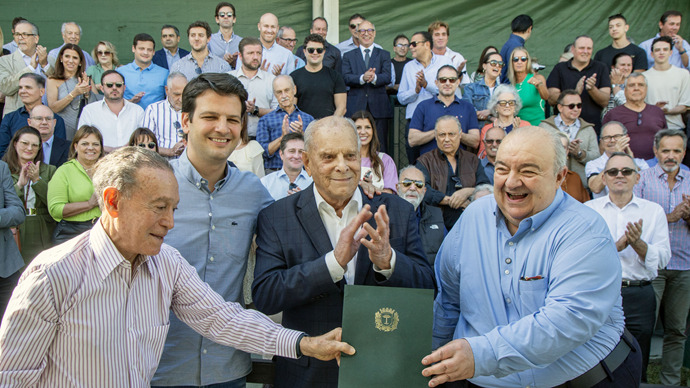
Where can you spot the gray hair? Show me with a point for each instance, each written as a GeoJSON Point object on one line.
{"type": "Point", "coordinates": [610, 123]}
{"type": "Point", "coordinates": [448, 118]}
{"type": "Point", "coordinates": [65, 24]}
{"type": "Point", "coordinates": [493, 101]}
{"type": "Point", "coordinates": [555, 139]}
{"type": "Point", "coordinates": [620, 154]}
{"type": "Point", "coordinates": [636, 74]}
{"type": "Point", "coordinates": [172, 76]}
{"type": "Point", "coordinates": [668, 133]}
{"type": "Point", "coordinates": [330, 122]}
{"type": "Point", "coordinates": [282, 29]}
{"type": "Point", "coordinates": [119, 170]}
{"type": "Point", "coordinates": [408, 167]}
{"type": "Point", "coordinates": [479, 188]}
{"type": "Point", "coordinates": [283, 76]}
{"type": "Point", "coordinates": [33, 26]}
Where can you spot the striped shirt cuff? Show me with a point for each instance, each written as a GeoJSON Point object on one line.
{"type": "Point", "coordinates": [286, 343]}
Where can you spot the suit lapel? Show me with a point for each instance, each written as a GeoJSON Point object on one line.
{"type": "Point", "coordinates": [309, 218]}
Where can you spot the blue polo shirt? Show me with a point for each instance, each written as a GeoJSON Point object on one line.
{"type": "Point", "coordinates": [150, 80]}
{"type": "Point", "coordinates": [13, 121]}
{"type": "Point", "coordinates": [428, 111]}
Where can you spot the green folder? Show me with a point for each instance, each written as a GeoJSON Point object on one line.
{"type": "Point", "coordinates": [391, 330]}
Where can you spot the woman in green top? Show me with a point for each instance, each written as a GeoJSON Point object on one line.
{"type": "Point", "coordinates": [106, 59]}
{"type": "Point", "coordinates": [71, 198]}
{"type": "Point", "coordinates": [530, 86]}
{"type": "Point", "coordinates": [24, 156]}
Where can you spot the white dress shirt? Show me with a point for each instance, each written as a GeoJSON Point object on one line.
{"type": "Point", "coordinates": [259, 87]}
{"type": "Point", "coordinates": [334, 225]}
{"type": "Point", "coordinates": [116, 129]}
{"type": "Point", "coordinates": [599, 164]}
{"type": "Point", "coordinates": [654, 233]}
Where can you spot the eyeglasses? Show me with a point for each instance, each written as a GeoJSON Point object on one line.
{"type": "Point", "coordinates": [292, 186]}
{"type": "Point", "coordinates": [22, 35]}
{"type": "Point", "coordinates": [367, 31]}
{"type": "Point", "coordinates": [99, 52]}
{"type": "Point", "coordinates": [28, 145]}
{"type": "Point", "coordinates": [444, 80]}
{"type": "Point", "coordinates": [573, 106]}
{"type": "Point", "coordinates": [151, 145]}
{"type": "Point", "coordinates": [353, 26]}
{"type": "Point", "coordinates": [505, 103]}
{"type": "Point", "coordinates": [115, 84]}
{"type": "Point", "coordinates": [519, 59]}
{"type": "Point", "coordinates": [41, 119]}
{"type": "Point", "coordinates": [495, 63]}
{"type": "Point", "coordinates": [458, 184]}
{"type": "Point", "coordinates": [414, 44]}
{"type": "Point", "coordinates": [289, 40]}
{"type": "Point", "coordinates": [311, 50]}
{"type": "Point", "coordinates": [402, 45]}
{"type": "Point", "coordinates": [613, 172]}
{"type": "Point", "coordinates": [224, 14]}
{"type": "Point", "coordinates": [613, 137]}
{"type": "Point", "coordinates": [492, 141]}
{"type": "Point", "coordinates": [409, 182]}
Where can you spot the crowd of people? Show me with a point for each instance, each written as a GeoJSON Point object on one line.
{"type": "Point", "coordinates": [276, 163]}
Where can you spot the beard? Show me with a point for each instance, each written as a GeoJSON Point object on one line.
{"type": "Point", "coordinates": [414, 198]}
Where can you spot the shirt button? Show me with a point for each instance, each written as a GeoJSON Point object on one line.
{"type": "Point", "coordinates": [211, 258]}
{"type": "Point", "coordinates": [507, 272]}
{"type": "Point", "coordinates": [210, 214]}
{"type": "Point", "coordinates": [211, 197]}
{"type": "Point", "coordinates": [213, 227]}
{"type": "Point", "coordinates": [508, 300]}
{"type": "Point", "coordinates": [508, 261]}
{"type": "Point", "coordinates": [510, 243]}
{"type": "Point", "coordinates": [198, 184]}
{"type": "Point", "coordinates": [204, 351]}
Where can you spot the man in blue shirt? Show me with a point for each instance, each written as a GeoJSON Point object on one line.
{"type": "Point", "coordinates": [529, 283]}
{"type": "Point", "coordinates": [171, 51]}
{"type": "Point", "coordinates": [145, 80]}
{"type": "Point", "coordinates": [292, 177]}
{"type": "Point", "coordinates": [214, 225]}
{"type": "Point", "coordinates": [521, 28]}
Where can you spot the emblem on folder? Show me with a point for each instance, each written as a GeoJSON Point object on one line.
{"type": "Point", "coordinates": [386, 319]}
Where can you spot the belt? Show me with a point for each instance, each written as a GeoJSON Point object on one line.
{"type": "Point", "coordinates": [31, 211]}
{"type": "Point", "coordinates": [635, 283]}
{"type": "Point", "coordinates": [606, 366]}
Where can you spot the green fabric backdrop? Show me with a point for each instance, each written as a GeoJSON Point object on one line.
{"type": "Point", "coordinates": [474, 23]}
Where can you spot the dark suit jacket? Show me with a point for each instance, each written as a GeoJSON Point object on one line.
{"type": "Point", "coordinates": [373, 96]}
{"type": "Point", "coordinates": [59, 152]}
{"type": "Point", "coordinates": [291, 274]}
{"type": "Point", "coordinates": [161, 60]}
{"type": "Point", "coordinates": [431, 230]}
{"type": "Point", "coordinates": [11, 214]}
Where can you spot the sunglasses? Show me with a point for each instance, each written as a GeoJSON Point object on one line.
{"type": "Point", "coordinates": [495, 63]}
{"type": "Point", "coordinates": [519, 59]}
{"type": "Point", "coordinates": [401, 45]}
{"type": "Point", "coordinates": [613, 137]}
{"type": "Point", "coordinates": [613, 172]}
{"type": "Point", "coordinates": [224, 14]}
{"type": "Point", "coordinates": [292, 186]}
{"type": "Point", "coordinates": [409, 182]}
{"type": "Point", "coordinates": [414, 44]}
{"type": "Point", "coordinates": [492, 141]}
{"type": "Point", "coordinates": [99, 52]}
{"type": "Point", "coordinates": [505, 103]}
{"type": "Point", "coordinates": [311, 50]}
{"type": "Point", "coordinates": [444, 80]}
{"type": "Point", "coordinates": [573, 106]}
{"type": "Point", "coordinates": [353, 26]}
{"type": "Point", "coordinates": [116, 84]}
{"type": "Point", "coordinates": [151, 145]}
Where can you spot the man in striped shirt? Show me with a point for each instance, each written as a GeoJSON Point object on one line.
{"type": "Point", "coordinates": [669, 186]}
{"type": "Point", "coordinates": [163, 117]}
{"type": "Point", "coordinates": [94, 312]}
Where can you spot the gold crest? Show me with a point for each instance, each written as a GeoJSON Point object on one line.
{"type": "Point", "coordinates": [386, 319]}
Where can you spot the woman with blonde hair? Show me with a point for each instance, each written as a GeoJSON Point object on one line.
{"type": "Point", "coordinates": [106, 59]}
{"type": "Point", "coordinates": [530, 86]}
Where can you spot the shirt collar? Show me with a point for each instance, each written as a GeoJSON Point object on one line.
{"type": "Point", "coordinates": [355, 201]}
{"type": "Point", "coordinates": [682, 174]}
{"type": "Point", "coordinates": [193, 176]}
{"type": "Point", "coordinates": [177, 53]}
{"type": "Point", "coordinates": [635, 201]}
{"type": "Point", "coordinates": [370, 48]}
{"type": "Point", "coordinates": [456, 100]}
{"type": "Point", "coordinates": [137, 68]}
{"type": "Point", "coordinates": [106, 255]}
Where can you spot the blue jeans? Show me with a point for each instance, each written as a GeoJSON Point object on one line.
{"type": "Point", "coordinates": [239, 383]}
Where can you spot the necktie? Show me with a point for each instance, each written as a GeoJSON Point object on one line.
{"type": "Point", "coordinates": [366, 58]}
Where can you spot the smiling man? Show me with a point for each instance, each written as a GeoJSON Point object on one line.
{"type": "Point", "coordinates": [110, 293]}
{"type": "Point", "coordinates": [145, 80]}
{"type": "Point", "coordinates": [217, 243]}
{"type": "Point", "coordinates": [312, 243]}
{"type": "Point", "coordinates": [200, 59]}
{"type": "Point", "coordinates": [292, 177]}
{"type": "Point", "coordinates": [545, 272]}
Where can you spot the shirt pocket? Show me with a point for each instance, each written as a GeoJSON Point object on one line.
{"type": "Point", "coordinates": [532, 295]}
{"type": "Point", "coordinates": [237, 240]}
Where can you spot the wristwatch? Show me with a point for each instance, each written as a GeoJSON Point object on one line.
{"type": "Point", "coordinates": [256, 111]}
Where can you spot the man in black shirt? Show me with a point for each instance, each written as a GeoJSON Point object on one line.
{"type": "Point", "coordinates": [321, 90]}
{"type": "Point", "coordinates": [618, 28]}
